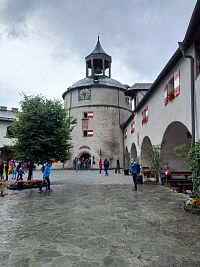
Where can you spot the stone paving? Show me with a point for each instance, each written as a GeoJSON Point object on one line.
{"type": "Point", "coordinates": [92, 220]}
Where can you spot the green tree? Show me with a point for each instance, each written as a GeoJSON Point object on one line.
{"type": "Point", "coordinates": [43, 131]}
{"type": "Point", "coordinates": [192, 156]}
{"type": "Point", "coordinates": [154, 154]}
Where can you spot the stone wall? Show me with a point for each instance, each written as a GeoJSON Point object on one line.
{"type": "Point", "coordinates": [108, 114]}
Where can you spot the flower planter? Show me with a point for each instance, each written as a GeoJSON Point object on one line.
{"type": "Point", "coordinates": [152, 181]}
{"type": "Point", "coordinates": [192, 205]}
{"type": "Point", "coordinates": [25, 184]}
{"type": "Point", "coordinates": [197, 202]}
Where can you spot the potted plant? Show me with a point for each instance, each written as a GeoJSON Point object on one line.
{"type": "Point", "coordinates": [192, 156]}
{"type": "Point", "coordinates": [154, 154]}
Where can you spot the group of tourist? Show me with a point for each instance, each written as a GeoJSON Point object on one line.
{"type": "Point", "coordinates": [82, 164]}
{"type": "Point", "coordinates": [13, 167]}
{"type": "Point", "coordinates": [105, 164]}
{"type": "Point", "coordinates": [17, 170]}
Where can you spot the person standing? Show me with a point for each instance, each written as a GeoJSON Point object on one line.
{"type": "Point", "coordinates": [1, 170]}
{"type": "Point", "coordinates": [162, 176]}
{"type": "Point", "coordinates": [46, 174]}
{"type": "Point", "coordinates": [6, 166]}
{"type": "Point", "coordinates": [18, 167]}
{"type": "Point", "coordinates": [76, 164]}
{"type": "Point", "coordinates": [79, 164]}
{"type": "Point", "coordinates": [14, 173]}
{"type": "Point", "coordinates": [135, 170]}
{"type": "Point", "coordinates": [100, 165]}
{"type": "Point", "coordinates": [117, 166]}
{"type": "Point", "coordinates": [21, 172]}
{"type": "Point", "coordinates": [106, 166]}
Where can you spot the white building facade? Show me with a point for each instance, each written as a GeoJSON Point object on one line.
{"type": "Point", "coordinates": [163, 116]}
{"type": "Point", "coordinates": [6, 119]}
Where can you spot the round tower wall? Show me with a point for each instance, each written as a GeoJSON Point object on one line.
{"type": "Point", "coordinates": [110, 109]}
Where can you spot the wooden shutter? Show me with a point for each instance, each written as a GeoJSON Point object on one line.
{"type": "Point", "coordinates": [166, 94]}
{"type": "Point", "coordinates": [132, 127]}
{"type": "Point", "coordinates": [177, 83]}
{"type": "Point", "coordinates": [90, 114]}
{"type": "Point", "coordinates": [125, 134]}
{"type": "Point", "coordinates": [90, 133]}
{"type": "Point", "coordinates": [147, 114]}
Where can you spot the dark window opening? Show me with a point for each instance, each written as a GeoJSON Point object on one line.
{"type": "Point", "coordinates": [9, 132]}
{"type": "Point", "coordinates": [171, 89]}
{"type": "Point", "coordinates": [84, 133]}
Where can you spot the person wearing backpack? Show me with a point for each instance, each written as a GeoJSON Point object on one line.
{"type": "Point", "coordinates": [46, 174]}
{"type": "Point", "coordinates": [106, 164]}
{"type": "Point", "coordinates": [135, 170]}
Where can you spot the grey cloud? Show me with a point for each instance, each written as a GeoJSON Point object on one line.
{"type": "Point", "coordinates": [142, 33]}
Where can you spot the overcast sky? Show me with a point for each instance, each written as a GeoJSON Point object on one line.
{"type": "Point", "coordinates": [43, 43]}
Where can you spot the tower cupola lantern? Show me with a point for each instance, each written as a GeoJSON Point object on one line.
{"type": "Point", "coordinates": [98, 63]}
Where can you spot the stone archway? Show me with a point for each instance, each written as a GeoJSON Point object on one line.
{"type": "Point", "coordinates": [144, 157]}
{"type": "Point", "coordinates": [175, 134]}
{"type": "Point", "coordinates": [84, 155]}
{"type": "Point", "coordinates": [133, 151]}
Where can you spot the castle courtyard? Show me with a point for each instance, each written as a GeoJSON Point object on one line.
{"type": "Point", "coordinates": [93, 220]}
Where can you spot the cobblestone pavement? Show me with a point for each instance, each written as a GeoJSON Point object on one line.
{"type": "Point", "coordinates": [92, 220]}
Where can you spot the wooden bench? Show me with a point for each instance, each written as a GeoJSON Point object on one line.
{"type": "Point", "coordinates": [179, 180]}
{"type": "Point", "coordinates": [146, 172]}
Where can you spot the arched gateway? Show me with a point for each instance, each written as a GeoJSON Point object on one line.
{"type": "Point", "coordinates": [175, 134]}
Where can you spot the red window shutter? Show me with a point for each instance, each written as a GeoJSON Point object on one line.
{"type": "Point", "coordinates": [177, 83]}
{"type": "Point", "coordinates": [132, 127]}
{"type": "Point", "coordinates": [90, 114]}
{"type": "Point", "coordinates": [147, 114]}
{"type": "Point", "coordinates": [90, 133]}
{"type": "Point", "coordinates": [125, 134]}
{"type": "Point", "coordinates": [166, 94]}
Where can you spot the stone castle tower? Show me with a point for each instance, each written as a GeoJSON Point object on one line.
{"type": "Point", "coordinates": [100, 106]}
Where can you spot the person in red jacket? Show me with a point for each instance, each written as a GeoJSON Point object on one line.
{"type": "Point", "coordinates": [100, 165]}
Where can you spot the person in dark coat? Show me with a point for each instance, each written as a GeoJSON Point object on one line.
{"type": "Point", "coordinates": [6, 169]}
{"type": "Point", "coordinates": [106, 164]}
{"type": "Point", "coordinates": [1, 169]}
{"type": "Point", "coordinates": [117, 166]}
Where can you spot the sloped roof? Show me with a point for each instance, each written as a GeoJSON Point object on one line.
{"type": "Point", "coordinates": [141, 86]}
{"type": "Point", "coordinates": [132, 91]}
